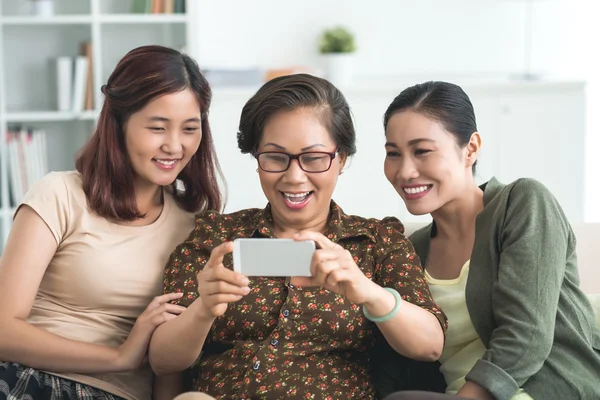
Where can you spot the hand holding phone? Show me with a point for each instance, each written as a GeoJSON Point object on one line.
{"type": "Point", "coordinates": [334, 268]}
{"type": "Point", "coordinates": [272, 257]}
{"type": "Point", "coordinates": [217, 285]}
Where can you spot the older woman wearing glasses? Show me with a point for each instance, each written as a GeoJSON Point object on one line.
{"type": "Point", "coordinates": [296, 337]}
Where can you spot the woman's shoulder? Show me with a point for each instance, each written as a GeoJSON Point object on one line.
{"type": "Point", "coordinates": [523, 204]}
{"type": "Point", "coordinates": [520, 189]}
{"type": "Point", "coordinates": [372, 225]}
{"type": "Point", "coordinates": [524, 196]}
{"type": "Point", "coordinates": [59, 181]}
{"type": "Point", "coordinates": [59, 187]}
{"type": "Point", "coordinates": [388, 232]}
{"type": "Point", "coordinates": [235, 217]}
{"type": "Point", "coordinates": [227, 224]}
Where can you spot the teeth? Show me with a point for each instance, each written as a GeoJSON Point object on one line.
{"type": "Point", "coordinates": [166, 162]}
{"type": "Point", "coordinates": [296, 195]}
{"type": "Point", "coordinates": [415, 190]}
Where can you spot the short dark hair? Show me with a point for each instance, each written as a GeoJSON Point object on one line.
{"type": "Point", "coordinates": [443, 102]}
{"type": "Point", "coordinates": [290, 92]}
{"type": "Point", "coordinates": [144, 74]}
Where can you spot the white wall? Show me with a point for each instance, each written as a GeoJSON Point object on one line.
{"type": "Point", "coordinates": [581, 58]}
{"type": "Point", "coordinates": [412, 41]}
{"type": "Point", "coordinates": [394, 37]}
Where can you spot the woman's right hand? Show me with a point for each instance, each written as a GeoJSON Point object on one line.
{"type": "Point", "coordinates": [218, 286]}
{"type": "Point", "coordinates": [133, 351]}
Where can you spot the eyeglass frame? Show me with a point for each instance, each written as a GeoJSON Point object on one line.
{"type": "Point", "coordinates": [291, 157]}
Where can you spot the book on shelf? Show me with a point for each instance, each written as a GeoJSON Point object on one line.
{"type": "Point", "coordinates": [27, 160]}
{"type": "Point", "coordinates": [74, 80]}
{"type": "Point", "coordinates": [86, 51]}
{"type": "Point", "coordinates": [158, 7]}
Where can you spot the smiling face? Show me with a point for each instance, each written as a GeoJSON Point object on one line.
{"type": "Point", "coordinates": [424, 162]}
{"type": "Point", "coordinates": [162, 137]}
{"type": "Point", "coordinates": [299, 200]}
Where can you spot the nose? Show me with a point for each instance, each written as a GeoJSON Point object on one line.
{"type": "Point", "coordinates": [294, 173]}
{"type": "Point", "coordinates": [172, 144]}
{"type": "Point", "coordinates": [407, 169]}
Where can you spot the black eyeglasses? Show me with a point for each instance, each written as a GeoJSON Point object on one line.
{"type": "Point", "coordinates": [312, 161]}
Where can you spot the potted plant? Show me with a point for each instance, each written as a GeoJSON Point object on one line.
{"type": "Point", "coordinates": [337, 46]}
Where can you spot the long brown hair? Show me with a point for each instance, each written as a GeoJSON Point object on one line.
{"type": "Point", "coordinates": [144, 74]}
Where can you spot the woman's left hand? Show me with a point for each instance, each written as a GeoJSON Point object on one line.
{"type": "Point", "coordinates": [333, 268]}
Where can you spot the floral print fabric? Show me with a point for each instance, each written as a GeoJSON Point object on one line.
{"type": "Point", "coordinates": [283, 341]}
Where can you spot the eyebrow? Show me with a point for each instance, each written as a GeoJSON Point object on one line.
{"type": "Point", "coordinates": [164, 119]}
{"type": "Point", "coordinates": [303, 149]}
{"type": "Point", "coordinates": [410, 142]}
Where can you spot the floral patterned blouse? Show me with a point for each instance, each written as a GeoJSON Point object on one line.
{"type": "Point", "coordinates": [287, 342]}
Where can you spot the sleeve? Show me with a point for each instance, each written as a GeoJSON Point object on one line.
{"type": "Point", "coordinates": [399, 267]}
{"type": "Point", "coordinates": [49, 198]}
{"type": "Point", "coordinates": [190, 257]}
{"type": "Point", "coordinates": [534, 242]}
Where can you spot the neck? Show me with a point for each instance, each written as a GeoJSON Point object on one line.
{"type": "Point", "coordinates": [148, 198]}
{"type": "Point", "coordinates": [456, 219]}
{"type": "Point", "coordinates": [283, 229]}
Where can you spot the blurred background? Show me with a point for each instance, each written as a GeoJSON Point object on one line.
{"type": "Point", "coordinates": [531, 68]}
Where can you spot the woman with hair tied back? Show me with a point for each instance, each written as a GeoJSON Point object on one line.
{"type": "Point", "coordinates": [295, 337]}
{"type": "Point", "coordinates": [78, 310]}
{"type": "Point", "coordinates": [499, 259]}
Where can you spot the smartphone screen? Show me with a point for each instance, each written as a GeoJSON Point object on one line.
{"type": "Point", "coordinates": [272, 257]}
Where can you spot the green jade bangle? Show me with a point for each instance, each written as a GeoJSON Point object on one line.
{"type": "Point", "coordinates": [389, 315]}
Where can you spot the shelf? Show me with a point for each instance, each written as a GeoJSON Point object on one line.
{"type": "Point", "coordinates": [48, 116]}
{"type": "Point", "coordinates": [143, 18]}
{"type": "Point", "coordinates": [56, 20]}
{"type": "Point", "coordinates": [87, 19]}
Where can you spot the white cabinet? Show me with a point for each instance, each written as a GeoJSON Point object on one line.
{"type": "Point", "coordinates": [29, 46]}
{"type": "Point", "coordinates": [536, 130]}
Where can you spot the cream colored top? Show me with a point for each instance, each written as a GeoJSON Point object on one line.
{"type": "Point", "coordinates": [463, 347]}
{"type": "Point", "coordinates": [102, 276]}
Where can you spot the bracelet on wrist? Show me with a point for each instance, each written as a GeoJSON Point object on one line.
{"type": "Point", "coordinates": [389, 315]}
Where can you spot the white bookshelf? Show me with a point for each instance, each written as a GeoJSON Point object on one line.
{"type": "Point", "coordinates": [29, 46]}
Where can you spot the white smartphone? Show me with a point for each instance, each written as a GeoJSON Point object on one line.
{"type": "Point", "coordinates": [272, 257]}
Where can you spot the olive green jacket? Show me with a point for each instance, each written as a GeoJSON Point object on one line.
{"type": "Point", "coordinates": [524, 300]}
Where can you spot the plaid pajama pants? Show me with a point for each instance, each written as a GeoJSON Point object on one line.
{"type": "Point", "coordinates": [18, 382]}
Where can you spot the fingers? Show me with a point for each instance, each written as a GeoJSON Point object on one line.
{"type": "Point", "coordinates": [174, 308]}
{"type": "Point", "coordinates": [161, 318]}
{"type": "Point", "coordinates": [217, 254]}
{"type": "Point", "coordinates": [226, 275]}
{"type": "Point", "coordinates": [223, 287]}
{"type": "Point", "coordinates": [321, 271]}
{"type": "Point", "coordinates": [337, 276]}
{"type": "Point", "coordinates": [158, 300]}
{"type": "Point", "coordinates": [331, 267]}
{"type": "Point", "coordinates": [168, 308]}
{"type": "Point", "coordinates": [164, 312]}
{"type": "Point", "coordinates": [323, 256]}
{"type": "Point", "coordinates": [320, 240]}
{"type": "Point", "coordinates": [225, 298]}
{"type": "Point", "coordinates": [305, 281]}
{"type": "Point", "coordinates": [217, 285]}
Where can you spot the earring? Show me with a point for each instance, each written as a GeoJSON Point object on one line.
{"type": "Point", "coordinates": [256, 169]}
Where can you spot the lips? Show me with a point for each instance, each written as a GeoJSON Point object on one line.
{"type": "Point", "coordinates": [166, 163]}
{"type": "Point", "coordinates": [416, 189]}
{"type": "Point", "coordinates": [415, 192]}
{"type": "Point", "coordinates": [296, 200]}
